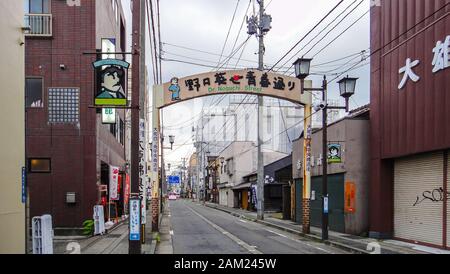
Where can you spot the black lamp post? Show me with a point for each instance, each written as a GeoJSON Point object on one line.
{"type": "Point", "coordinates": [346, 88]}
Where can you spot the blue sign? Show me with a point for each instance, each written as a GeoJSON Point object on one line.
{"type": "Point", "coordinates": [135, 219]}
{"type": "Point", "coordinates": [24, 185]}
{"type": "Point", "coordinates": [325, 204]}
{"type": "Point", "coordinates": [174, 180]}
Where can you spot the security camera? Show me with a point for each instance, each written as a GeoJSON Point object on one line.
{"type": "Point", "coordinates": [62, 66]}
{"type": "Point", "coordinates": [320, 106]}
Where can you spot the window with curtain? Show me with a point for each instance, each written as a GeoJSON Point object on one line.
{"type": "Point", "coordinates": [37, 6]}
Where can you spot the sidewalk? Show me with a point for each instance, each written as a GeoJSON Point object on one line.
{"type": "Point", "coordinates": [351, 243]}
{"type": "Point", "coordinates": [115, 241]}
{"type": "Point", "coordinates": [164, 245]}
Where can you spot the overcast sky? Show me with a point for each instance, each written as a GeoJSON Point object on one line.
{"type": "Point", "coordinates": [203, 25]}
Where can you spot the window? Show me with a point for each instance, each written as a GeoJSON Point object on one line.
{"type": "Point", "coordinates": [33, 93]}
{"type": "Point", "coordinates": [37, 6]}
{"type": "Point", "coordinates": [113, 129]}
{"type": "Point", "coordinates": [63, 105]}
{"type": "Point", "coordinates": [230, 166]}
{"type": "Point", "coordinates": [39, 165]}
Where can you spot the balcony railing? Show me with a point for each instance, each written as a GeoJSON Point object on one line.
{"type": "Point", "coordinates": [40, 24]}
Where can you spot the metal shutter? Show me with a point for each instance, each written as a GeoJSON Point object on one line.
{"type": "Point", "coordinates": [413, 176]}
{"type": "Point", "coordinates": [447, 196]}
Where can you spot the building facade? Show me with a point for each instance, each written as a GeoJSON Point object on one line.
{"type": "Point", "coordinates": [348, 174]}
{"type": "Point", "coordinates": [410, 121]}
{"type": "Point", "coordinates": [69, 150]}
{"type": "Point", "coordinates": [12, 138]}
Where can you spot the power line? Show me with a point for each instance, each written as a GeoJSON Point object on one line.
{"type": "Point", "coordinates": [339, 35]}
{"type": "Point", "coordinates": [240, 29]}
{"type": "Point", "coordinates": [154, 71]}
{"type": "Point", "coordinates": [228, 34]}
{"type": "Point", "coordinates": [159, 39]}
{"type": "Point", "coordinates": [307, 34]}
{"type": "Point", "coordinates": [320, 32]}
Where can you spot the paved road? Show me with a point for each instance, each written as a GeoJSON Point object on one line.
{"type": "Point", "coordinates": [202, 230]}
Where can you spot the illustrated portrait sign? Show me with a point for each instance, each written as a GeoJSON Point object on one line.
{"type": "Point", "coordinates": [111, 77]}
{"type": "Point", "coordinates": [334, 153]}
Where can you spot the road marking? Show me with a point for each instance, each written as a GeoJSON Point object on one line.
{"type": "Point", "coordinates": [250, 248]}
{"type": "Point", "coordinates": [279, 234]}
{"type": "Point", "coordinates": [243, 221]}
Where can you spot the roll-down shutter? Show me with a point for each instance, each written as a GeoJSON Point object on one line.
{"type": "Point", "coordinates": [418, 208]}
{"type": "Point", "coordinates": [447, 196]}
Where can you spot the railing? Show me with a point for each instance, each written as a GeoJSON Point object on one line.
{"type": "Point", "coordinates": [40, 24]}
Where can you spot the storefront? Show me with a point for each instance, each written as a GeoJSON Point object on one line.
{"type": "Point", "coordinates": [410, 122]}
{"type": "Point", "coordinates": [348, 174]}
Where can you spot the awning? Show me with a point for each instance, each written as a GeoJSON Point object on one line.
{"type": "Point", "coordinates": [242, 186]}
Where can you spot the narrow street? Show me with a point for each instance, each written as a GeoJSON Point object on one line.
{"type": "Point", "coordinates": [197, 229]}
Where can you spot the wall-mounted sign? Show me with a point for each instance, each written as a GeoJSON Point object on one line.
{"type": "Point", "coordinates": [237, 81]}
{"type": "Point", "coordinates": [24, 185]}
{"type": "Point", "coordinates": [109, 45]}
{"type": "Point", "coordinates": [143, 181]}
{"type": "Point", "coordinates": [334, 153]}
{"type": "Point", "coordinates": [111, 78]}
{"type": "Point", "coordinates": [108, 115]}
{"type": "Point", "coordinates": [135, 216]}
{"type": "Point", "coordinates": [441, 61]}
{"type": "Point", "coordinates": [350, 195]}
{"type": "Point", "coordinates": [113, 183]}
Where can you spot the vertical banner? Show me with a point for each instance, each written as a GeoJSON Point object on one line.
{"type": "Point", "coordinates": [307, 154]}
{"type": "Point", "coordinates": [142, 171]}
{"type": "Point", "coordinates": [127, 189]}
{"type": "Point", "coordinates": [135, 216]}
{"type": "Point", "coordinates": [113, 183]}
{"type": "Point", "coordinates": [154, 168]}
{"type": "Point", "coordinates": [350, 194]}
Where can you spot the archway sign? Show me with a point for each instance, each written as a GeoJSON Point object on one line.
{"type": "Point", "coordinates": [247, 81]}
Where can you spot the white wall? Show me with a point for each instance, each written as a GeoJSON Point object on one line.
{"type": "Point", "coordinates": [12, 119]}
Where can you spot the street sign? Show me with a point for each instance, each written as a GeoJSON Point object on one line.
{"type": "Point", "coordinates": [325, 204]}
{"type": "Point", "coordinates": [174, 180]}
{"type": "Point", "coordinates": [108, 116]}
{"type": "Point", "coordinates": [135, 219]}
{"type": "Point", "coordinates": [24, 185]}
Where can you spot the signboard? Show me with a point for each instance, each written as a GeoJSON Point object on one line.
{"type": "Point", "coordinates": [108, 115]}
{"type": "Point", "coordinates": [142, 171]}
{"type": "Point", "coordinates": [235, 81]}
{"type": "Point", "coordinates": [24, 185]}
{"type": "Point", "coordinates": [109, 45]}
{"type": "Point", "coordinates": [325, 204]}
{"type": "Point", "coordinates": [174, 180]}
{"type": "Point", "coordinates": [334, 153]}
{"type": "Point", "coordinates": [350, 194]}
{"type": "Point", "coordinates": [127, 189]}
{"type": "Point", "coordinates": [135, 219]}
{"type": "Point", "coordinates": [111, 86]}
{"type": "Point", "coordinates": [113, 183]}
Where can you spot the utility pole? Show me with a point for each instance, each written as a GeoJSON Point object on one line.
{"type": "Point", "coordinates": [134, 247]}
{"type": "Point", "coordinates": [260, 178]}
{"type": "Point", "coordinates": [324, 162]}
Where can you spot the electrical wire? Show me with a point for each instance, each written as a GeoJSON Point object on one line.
{"type": "Point", "coordinates": [320, 32]}
{"type": "Point", "coordinates": [306, 35]}
{"type": "Point", "coordinates": [228, 34]}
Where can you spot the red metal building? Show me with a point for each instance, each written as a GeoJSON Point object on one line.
{"type": "Point", "coordinates": [68, 148]}
{"type": "Point", "coordinates": [410, 121]}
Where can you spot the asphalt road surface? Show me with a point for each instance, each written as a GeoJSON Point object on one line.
{"type": "Point", "coordinates": [197, 229]}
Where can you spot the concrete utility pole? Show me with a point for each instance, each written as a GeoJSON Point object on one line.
{"type": "Point", "coordinates": [134, 247]}
{"type": "Point", "coordinates": [260, 170]}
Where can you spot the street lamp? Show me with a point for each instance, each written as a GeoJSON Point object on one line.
{"type": "Point", "coordinates": [302, 66]}
{"type": "Point", "coordinates": [347, 87]}
{"type": "Point", "coordinates": [171, 140]}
